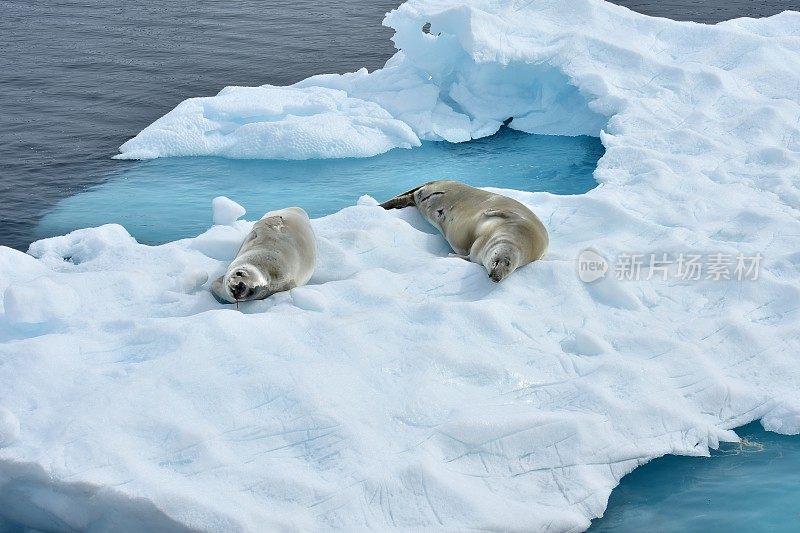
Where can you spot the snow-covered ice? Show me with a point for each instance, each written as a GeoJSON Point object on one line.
{"type": "Point", "coordinates": [39, 301]}
{"type": "Point", "coordinates": [9, 427]}
{"type": "Point", "coordinates": [401, 388]}
{"type": "Point", "coordinates": [273, 122]}
{"type": "Point", "coordinates": [226, 212]}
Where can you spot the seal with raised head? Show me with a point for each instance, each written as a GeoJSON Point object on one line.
{"type": "Point", "coordinates": [490, 229]}
{"type": "Point", "coordinates": [279, 253]}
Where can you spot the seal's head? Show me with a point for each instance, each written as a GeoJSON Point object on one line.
{"type": "Point", "coordinates": [501, 260]}
{"type": "Point", "coordinates": [246, 283]}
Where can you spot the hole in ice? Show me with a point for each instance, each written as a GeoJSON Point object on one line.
{"type": "Point", "coordinates": [170, 198]}
{"type": "Point", "coordinates": [426, 28]}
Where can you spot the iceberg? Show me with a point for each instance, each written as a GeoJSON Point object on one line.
{"type": "Point", "coordinates": [401, 388]}
{"type": "Point", "coordinates": [272, 123]}
{"type": "Point", "coordinates": [447, 86]}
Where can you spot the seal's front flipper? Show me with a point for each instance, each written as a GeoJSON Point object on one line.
{"type": "Point", "coordinates": [401, 200]}
{"type": "Point", "coordinates": [219, 291]}
{"type": "Point", "coordinates": [498, 213]}
{"type": "Point", "coordinates": [460, 256]}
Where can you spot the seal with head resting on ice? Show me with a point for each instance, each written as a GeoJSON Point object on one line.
{"type": "Point", "coordinates": [279, 253]}
{"type": "Point", "coordinates": [490, 229]}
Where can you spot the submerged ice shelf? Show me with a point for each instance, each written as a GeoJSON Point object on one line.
{"type": "Point", "coordinates": [167, 199]}
{"type": "Point", "coordinates": [746, 486]}
{"type": "Point", "coordinates": [401, 388]}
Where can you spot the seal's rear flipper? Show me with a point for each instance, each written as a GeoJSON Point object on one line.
{"type": "Point", "coordinates": [401, 200]}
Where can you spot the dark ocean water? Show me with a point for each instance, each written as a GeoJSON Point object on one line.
{"type": "Point", "coordinates": [77, 79]}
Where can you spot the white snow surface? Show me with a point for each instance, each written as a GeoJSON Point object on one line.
{"type": "Point", "coordinates": [401, 388]}
{"type": "Point", "coordinates": [9, 427]}
{"type": "Point", "coordinates": [225, 211]}
{"type": "Point", "coordinates": [272, 122]}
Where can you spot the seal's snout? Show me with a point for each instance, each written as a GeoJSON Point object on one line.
{"type": "Point", "coordinates": [239, 290]}
{"type": "Point", "coordinates": [501, 268]}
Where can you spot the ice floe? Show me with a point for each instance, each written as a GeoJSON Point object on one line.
{"type": "Point", "coordinates": [9, 427]}
{"type": "Point", "coordinates": [401, 388]}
